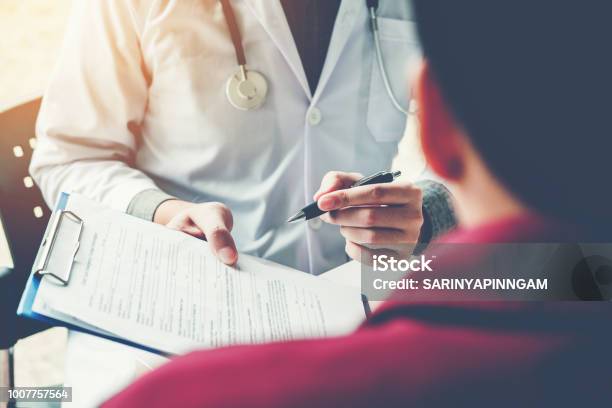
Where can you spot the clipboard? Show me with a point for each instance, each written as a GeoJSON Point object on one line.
{"type": "Point", "coordinates": [58, 258]}
{"type": "Point", "coordinates": [62, 237]}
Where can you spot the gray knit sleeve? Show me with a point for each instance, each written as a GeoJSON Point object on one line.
{"type": "Point", "coordinates": [145, 203]}
{"type": "Point", "coordinates": [438, 213]}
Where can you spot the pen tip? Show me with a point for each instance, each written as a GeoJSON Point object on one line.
{"type": "Point", "coordinates": [296, 217]}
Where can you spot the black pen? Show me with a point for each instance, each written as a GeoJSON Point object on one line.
{"type": "Point", "coordinates": [313, 211]}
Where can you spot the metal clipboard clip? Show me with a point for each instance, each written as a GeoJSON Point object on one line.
{"type": "Point", "coordinates": [59, 247]}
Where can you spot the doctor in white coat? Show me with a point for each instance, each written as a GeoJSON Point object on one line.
{"type": "Point", "coordinates": [137, 117]}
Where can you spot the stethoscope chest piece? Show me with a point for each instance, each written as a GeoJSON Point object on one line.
{"type": "Point", "coordinates": [246, 90]}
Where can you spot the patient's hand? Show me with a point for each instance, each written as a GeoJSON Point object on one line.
{"type": "Point", "coordinates": [210, 221]}
{"type": "Point", "coordinates": [386, 217]}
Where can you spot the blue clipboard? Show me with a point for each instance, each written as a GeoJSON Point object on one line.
{"type": "Point", "coordinates": [38, 272]}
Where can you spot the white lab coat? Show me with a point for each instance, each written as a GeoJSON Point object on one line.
{"type": "Point", "coordinates": [138, 102]}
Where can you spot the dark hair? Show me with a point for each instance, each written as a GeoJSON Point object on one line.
{"type": "Point", "coordinates": [531, 83]}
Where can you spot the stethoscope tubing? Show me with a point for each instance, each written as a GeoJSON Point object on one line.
{"type": "Point", "coordinates": [381, 62]}
{"type": "Point", "coordinates": [232, 25]}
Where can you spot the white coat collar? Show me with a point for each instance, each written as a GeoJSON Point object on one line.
{"type": "Point", "coordinates": [272, 17]}
{"type": "Point", "coordinates": [349, 12]}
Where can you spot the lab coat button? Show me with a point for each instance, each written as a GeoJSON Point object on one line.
{"type": "Point", "coordinates": [314, 116]}
{"type": "Point", "coordinates": [315, 224]}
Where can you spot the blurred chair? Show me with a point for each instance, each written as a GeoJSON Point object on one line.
{"type": "Point", "coordinates": [24, 216]}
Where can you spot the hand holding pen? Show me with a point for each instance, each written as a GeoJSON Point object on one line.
{"type": "Point", "coordinates": [313, 210]}
{"type": "Point", "coordinates": [381, 214]}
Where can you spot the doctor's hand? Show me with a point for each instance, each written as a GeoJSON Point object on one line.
{"type": "Point", "coordinates": [210, 221]}
{"type": "Point", "coordinates": [372, 218]}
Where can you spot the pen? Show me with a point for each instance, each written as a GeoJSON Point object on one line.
{"type": "Point", "coordinates": [313, 211]}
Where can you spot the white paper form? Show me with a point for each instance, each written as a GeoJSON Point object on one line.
{"type": "Point", "coordinates": [164, 289]}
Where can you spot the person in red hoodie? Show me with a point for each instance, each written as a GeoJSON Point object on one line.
{"type": "Point", "coordinates": [514, 104]}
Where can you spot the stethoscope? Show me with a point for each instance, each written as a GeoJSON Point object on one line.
{"type": "Point", "coordinates": [247, 89]}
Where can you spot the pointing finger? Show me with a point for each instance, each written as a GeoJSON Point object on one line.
{"type": "Point", "coordinates": [216, 222]}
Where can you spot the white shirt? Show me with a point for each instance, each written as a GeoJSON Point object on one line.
{"type": "Point", "coordinates": [138, 102]}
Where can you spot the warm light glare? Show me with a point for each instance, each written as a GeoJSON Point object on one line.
{"type": "Point", "coordinates": [38, 212]}
{"type": "Point", "coordinates": [18, 151]}
{"type": "Point", "coordinates": [31, 33]}
{"type": "Point", "coordinates": [28, 182]}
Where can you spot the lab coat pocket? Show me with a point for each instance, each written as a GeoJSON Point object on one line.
{"type": "Point", "coordinates": [400, 55]}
